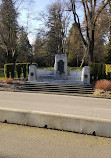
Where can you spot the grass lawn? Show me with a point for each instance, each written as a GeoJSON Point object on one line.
{"type": "Point", "coordinates": [46, 68]}
{"type": "Point", "coordinates": [74, 68]}
{"type": "Point", "coordinates": [68, 68]}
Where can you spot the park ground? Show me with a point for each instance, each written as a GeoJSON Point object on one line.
{"type": "Point", "coordinates": [30, 142]}
{"type": "Point", "coordinates": [62, 104]}
{"type": "Point", "coordinates": [18, 141]}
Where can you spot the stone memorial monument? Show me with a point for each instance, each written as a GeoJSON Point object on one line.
{"type": "Point", "coordinates": [60, 66]}
{"type": "Point", "coordinates": [32, 73]}
{"type": "Point", "coordinates": [60, 74]}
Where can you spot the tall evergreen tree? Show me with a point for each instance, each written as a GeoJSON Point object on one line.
{"type": "Point", "coordinates": [40, 51]}
{"type": "Point", "coordinates": [75, 47]}
{"type": "Point", "coordinates": [8, 30]}
{"type": "Point", "coordinates": [24, 47]}
{"type": "Point", "coordinates": [55, 35]}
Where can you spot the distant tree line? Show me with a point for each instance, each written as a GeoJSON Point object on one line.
{"type": "Point", "coordinates": [83, 40]}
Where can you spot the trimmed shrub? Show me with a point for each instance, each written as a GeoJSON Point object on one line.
{"type": "Point", "coordinates": [18, 70]}
{"type": "Point", "coordinates": [97, 71]}
{"type": "Point", "coordinates": [103, 74]}
{"type": "Point", "coordinates": [103, 85]}
{"type": "Point", "coordinates": [21, 68]}
{"type": "Point", "coordinates": [9, 70]}
{"type": "Point", "coordinates": [2, 73]}
{"type": "Point", "coordinates": [28, 64]}
{"type": "Point", "coordinates": [24, 70]}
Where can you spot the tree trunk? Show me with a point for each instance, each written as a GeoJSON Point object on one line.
{"type": "Point", "coordinates": [9, 57]}
{"type": "Point", "coordinates": [91, 50]}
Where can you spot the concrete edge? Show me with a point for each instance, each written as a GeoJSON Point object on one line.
{"type": "Point", "coordinates": [67, 94]}
{"type": "Point", "coordinates": [59, 93]}
{"type": "Point", "coordinates": [57, 121]}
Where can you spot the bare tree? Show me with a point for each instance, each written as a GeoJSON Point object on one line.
{"type": "Point", "coordinates": [91, 13]}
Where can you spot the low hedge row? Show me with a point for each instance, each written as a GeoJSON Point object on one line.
{"type": "Point", "coordinates": [2, 73]}
{"type": "Point", "coordinates": [17, 70]}
{"type": "Point", "coordinates": [98, 71]}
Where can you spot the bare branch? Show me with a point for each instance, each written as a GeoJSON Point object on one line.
{"type": "Point", "coordinates": [77, 21]}
{"type": "Point", "coordinates": [99, 12]}
{"type": "Point", "coordinates": [86, 18]}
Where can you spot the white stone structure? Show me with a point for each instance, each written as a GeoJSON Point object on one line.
{"type": "Point", "coordinates": [60, 74]}
{"type": "Point", "coordinates": [63, 59]}
{"type": "Point", "coordinates": [45, 75]}
{"type": "Point", "coordinates": [85, 77]}
{"type": "Point", "coordinates": [32, 73]}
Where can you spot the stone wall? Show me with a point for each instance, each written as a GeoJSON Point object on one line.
{"type": "Point", "coordinates": [83, 76]}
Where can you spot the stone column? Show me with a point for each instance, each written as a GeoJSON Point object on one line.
{"type": "Point", "coordinates": [85, 78]}
{"type": "Point", "coordinates": [60, 66]}
{"type": "Point", "coordinates": [32, 73]}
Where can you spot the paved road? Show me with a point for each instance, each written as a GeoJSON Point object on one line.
{"type": "Point", "coordinates": [73, 105]}
{"type": "Point", "coordinates": [28, 142]}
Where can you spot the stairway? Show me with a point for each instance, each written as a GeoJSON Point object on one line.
{"type": "Point", "coordinates": [57, 88]}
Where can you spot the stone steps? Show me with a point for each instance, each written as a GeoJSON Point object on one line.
{"type": "Point", "coordinates": [50, 79]}
{"type": "Point", "coordinates": [46, 87]}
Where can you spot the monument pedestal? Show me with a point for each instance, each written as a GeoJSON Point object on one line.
{"type": "Point", "coordinates": [60, 66]}
{"type": "Point", "coordinates": [32, 73]}
{"type": "Point", "coordinates": [85, 77]}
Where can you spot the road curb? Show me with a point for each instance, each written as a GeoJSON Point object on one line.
{"type": "Point", "coordinates": [57, 121]}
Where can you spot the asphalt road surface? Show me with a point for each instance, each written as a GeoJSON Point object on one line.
{"type": "Point", "coordinates": [29, 142]}
{"type": "Point", "coordinates": [62, 104]}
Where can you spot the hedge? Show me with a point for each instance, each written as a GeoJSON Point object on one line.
{"type": "Point", "coordinates": [98, 71]}
{"type": "Point", "coordinates": [2, 73]}
{"type": "Point", "coordinates": [17, 70]}
{"type": "Point", "coordinates": [9, 70]}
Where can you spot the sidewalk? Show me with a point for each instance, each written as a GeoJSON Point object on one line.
{"type": "Point", "coordinates": [71, 113]}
